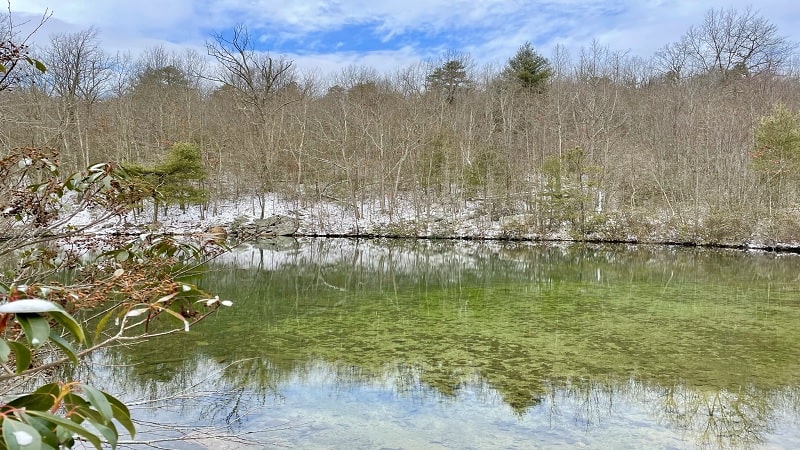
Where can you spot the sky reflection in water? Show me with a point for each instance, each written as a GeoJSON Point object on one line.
{"type": "Point", "coordinates": [485, 345]}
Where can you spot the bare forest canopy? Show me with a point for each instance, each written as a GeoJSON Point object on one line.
{"type": "Point", "coordinates": [703, 134]}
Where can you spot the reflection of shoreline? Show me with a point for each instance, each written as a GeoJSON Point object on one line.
{"type": "Point", "coordinates": [410, 255]}
{"type": "Point", "coordinates": [524, 322]}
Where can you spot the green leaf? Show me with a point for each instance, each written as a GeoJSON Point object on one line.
{"type": "Point", "coordinates": [121, 413]}
{"type": "Point", "coordinates": [80, 409]}
{"type": "Point", "coordinates": [49, 438]}
{"type": "Point", "coordinates": [41, 399]}
{"type": "Point", "coordinates": [39, 66]}
{"type": "Point", "coordinates": [20, 435]}
{"type": "Point", "coordinates": [69, 426]}
{"type": "Point", "coordinates": [30, 305]}
{"type": "Point", "coordinates": [4, 350]}
{"type": "Point", "coordinates": [122, 256]}
{"type": "Point", "coordinates": [37, 305]}
{"type": "Point", "coordinates": [66, 437]}
{"type": "Point", "coordinates": [101, 324]}
{"type": "Point", "coordinates": [50, 389]}
{"type": "Point", "coordinates": [35, 401]}
{"type": "Point", "coordinates": [22, 354]}
{"type": "Point", "coordinates": [109, 431]}
{"type": "Point", "coordinates": [36, 328]}
{"type": "Point", "coordinates": [65, 346]}
{"type": "Point", "coordinates": [176, 315]}
{"type": "Point", "coordinates": [69, 323]}
{"type": "Point", "coordinates": [99, 401]}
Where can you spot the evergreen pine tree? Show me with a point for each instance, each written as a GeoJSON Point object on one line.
{"type": "Point", "coordinates": [528, 69]}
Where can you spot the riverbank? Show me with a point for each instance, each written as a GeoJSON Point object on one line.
{"type": "Point", "coordinates": [470, 222]}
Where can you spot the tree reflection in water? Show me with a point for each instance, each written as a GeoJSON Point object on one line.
{"type": "Point", "coordinates": [554, 344]}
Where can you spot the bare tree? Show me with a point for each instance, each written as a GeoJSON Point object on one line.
{"type": "Point", "coordinates": [79, 74]}
{"type": "Point", "coordinates": [727, 43]}
{"type": "Point", "coordinates": [78, 68]}
{"type": "Point", "coordinates": [672, 61]}
{"type": "Point", "coordinates": [262, 85]}
{"type": "Point", "coordinates": [256, 76]}
{"type": "Point", "coordinates": [160, 92]}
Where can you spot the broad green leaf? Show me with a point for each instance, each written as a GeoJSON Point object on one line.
{"type": "Point", "coordinates": [77, 412]}
{"type": "Point", "coordinates": [69, 323]}
{"type": "Point", "coordinates": [101, 324]}
{"type": "Point", "coordinates": [65, 436]}
{"type": "Point", "coordinates": [81, 410]}
{"type": "Point", "coordinates": [65, 346]}
{"type": "Point", "coordinates": [36, 327]}
{"type": "Point", "coordinates": [121, 413]}
{"type": "Point", "coordinates": [22, 354]}
{"type": "Point", "coordinates": [20, 435]}
{"type": "Point", "coordinates": [4, 350]}
{"type": "Point", "coordinates": [49, 438]}
{"type": "Point", "coordinates": [109, 431]}
{"type": "Point", "coordinates": [51, 389]}
{"type": "Point", "coordinates": [69, 426]}
{"type": "Point", "coordinates": [177, 316]}
{"type": "Point", "coordinates": [122, 256]}
{"type": "Point", "coordinates": [35, 401]}
{"type": "Point", "coordinates": [99, 401]}
{"type": "Point", "coordinates": [39, 66]}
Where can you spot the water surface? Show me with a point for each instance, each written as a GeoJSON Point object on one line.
{"type": "Point", "coordinates": [450, 344]}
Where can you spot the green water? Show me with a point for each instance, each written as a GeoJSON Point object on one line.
{"type": "Point", "coordinates": [427, 344]}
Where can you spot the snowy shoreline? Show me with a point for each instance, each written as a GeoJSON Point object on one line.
{"type": "Point", "coordinates": [323, 219]}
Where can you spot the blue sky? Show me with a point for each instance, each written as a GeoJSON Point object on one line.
{"type": "Point", "coordinates": [326, 36]}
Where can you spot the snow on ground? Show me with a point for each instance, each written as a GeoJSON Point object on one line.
{"type": "Point", "coordinates": [320, 218]}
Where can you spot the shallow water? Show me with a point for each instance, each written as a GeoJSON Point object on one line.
{"type": "Point", "coordinates": [450, 344]}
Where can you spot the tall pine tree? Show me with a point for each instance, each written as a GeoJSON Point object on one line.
{"type": "Point", "coordinates": [528, 69]}
{"type": "Point", "coordinates": [449, 79]}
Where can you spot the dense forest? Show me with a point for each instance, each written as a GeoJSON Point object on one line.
{"type": "Point", "coordinates": [699, 142]}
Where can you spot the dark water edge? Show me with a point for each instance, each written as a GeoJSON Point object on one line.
{"type": "Point", "coordinates": [757, 245]}
{"type": "Point", "coordinates": [457, 344]}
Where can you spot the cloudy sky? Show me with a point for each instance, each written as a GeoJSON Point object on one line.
{"type": "Point", "coordinates": [387, 34]}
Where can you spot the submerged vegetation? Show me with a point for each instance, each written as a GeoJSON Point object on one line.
{"type": "Point", "coordinates": [702, 339]}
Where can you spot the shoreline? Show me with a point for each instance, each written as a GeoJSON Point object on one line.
{"type": "Point", "coordinates": [330, 220]}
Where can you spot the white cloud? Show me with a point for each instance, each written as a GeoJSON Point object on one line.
{"type": "Point", "coordinates": [491, 30]}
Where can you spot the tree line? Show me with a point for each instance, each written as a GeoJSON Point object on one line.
{"type": "Point", "coordinates": [701, 136]}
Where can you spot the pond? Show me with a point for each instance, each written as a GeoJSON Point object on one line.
{"type": "Point", "coordinates": [335, 343]}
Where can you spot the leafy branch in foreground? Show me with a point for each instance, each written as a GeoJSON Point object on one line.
{"type": "Point", "coordinates": [40, 238]}
{"type": "Point", "coordinates": [42, 215]}
{"type": "Point", "coordinates": [14, 51]}
{"type": "Point", "coordinates": [54, 414]}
